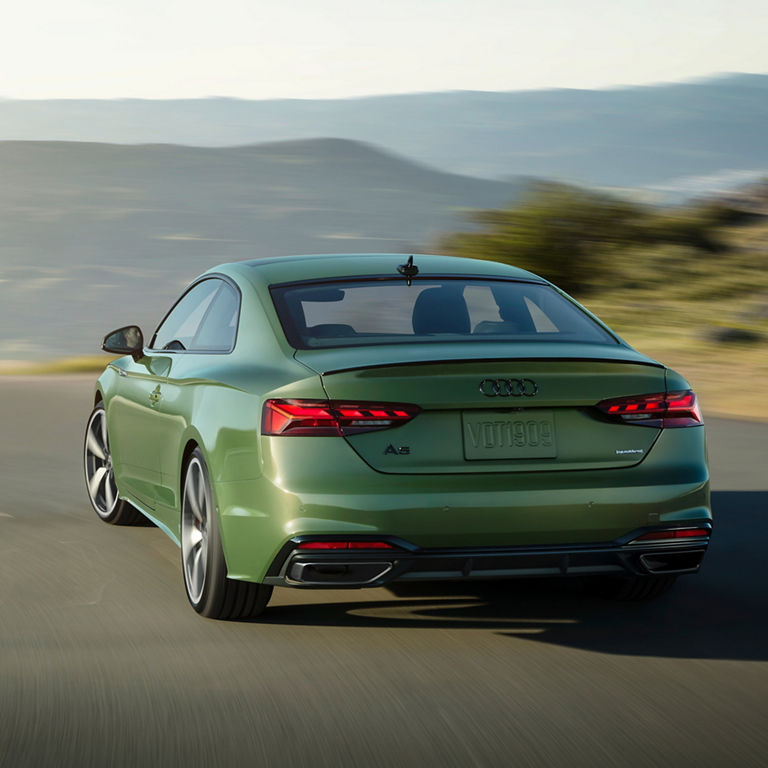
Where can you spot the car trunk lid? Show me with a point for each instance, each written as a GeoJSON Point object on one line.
{"type": "Point", "coordinates": [495, 407]}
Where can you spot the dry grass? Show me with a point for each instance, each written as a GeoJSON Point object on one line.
{"type": "Point", "coordinates": [729, 378]}
{"type": "Point", "coordinates": [84, 364]}
{"type": "Point", "coordinates": [684, 300]}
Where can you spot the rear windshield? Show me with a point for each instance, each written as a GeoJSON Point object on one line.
{"type": "Point", "coordinates": [364, 312]}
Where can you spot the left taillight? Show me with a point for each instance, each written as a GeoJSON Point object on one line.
{"type": "Point", "coordinates": [664, 409]}
{"type": "Point", "coordinates": [324, 417]}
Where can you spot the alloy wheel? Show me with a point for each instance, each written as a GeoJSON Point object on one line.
{"type": "Point", "coordinates": [99, 471]}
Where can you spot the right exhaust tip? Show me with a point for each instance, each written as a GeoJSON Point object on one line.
{"type": "Point", "coordinates": [672, 562]}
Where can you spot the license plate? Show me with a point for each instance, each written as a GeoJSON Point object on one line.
{"type": "Point", "coordinates": [498, 435]}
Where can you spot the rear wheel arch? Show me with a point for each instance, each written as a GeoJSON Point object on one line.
{"type": "Point", "coordinates": [212, 593]}
{"type": "Point", "coordinates": [185, 456]}
{"type": "Point", "coordinates": [191, 441]}
{"type": "Point", "coordinates": [195, 444]}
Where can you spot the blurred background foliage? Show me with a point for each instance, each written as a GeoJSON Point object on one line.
{"type": "Point", "coordinates": [586, 241]}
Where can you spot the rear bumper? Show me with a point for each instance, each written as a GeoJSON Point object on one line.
{"type": "Point", "coordinates": [322, 569]}
{"type": "Point", "coordinates": [308, 492]}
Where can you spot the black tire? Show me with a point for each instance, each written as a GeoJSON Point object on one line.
{"type": "Point", "coordinates": [209, 591]}
{"type": "Point", "coordinates": [635, 589]}
{"type": "Point", "coordinates": [100, 477]}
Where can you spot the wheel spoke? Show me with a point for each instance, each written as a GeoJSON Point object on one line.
{"type": "Point", "coordinates": [95, 481]}
{"type": "Point", "coordinates": [104, 440]}
{"type": "Point", "coordinates": [201, 502]}
{"type": "Point", "coordinates": [192, 497]}
{"type": "Point", "coordinates": [197, 576]}
{"type": "Point", "coordinates": [194, 517]}
{"type": "Point", "coordinates": [94, 447]}
{"type": "Point", "coordinates": [109, 496]}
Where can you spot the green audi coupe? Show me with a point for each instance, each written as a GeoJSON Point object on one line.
{"type": "Point", "coordinates": [350, 420]}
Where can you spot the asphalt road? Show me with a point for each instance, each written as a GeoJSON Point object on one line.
{"type": "Point", "coordinates": [103, 663]}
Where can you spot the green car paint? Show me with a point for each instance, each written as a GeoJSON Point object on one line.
{"type": "Point", "coordinates": [420, 483]}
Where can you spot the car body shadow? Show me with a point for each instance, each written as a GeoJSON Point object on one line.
{"type": "Point", "coordinates": [720, 613]}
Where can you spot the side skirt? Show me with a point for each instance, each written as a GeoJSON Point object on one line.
{"type": "Point", "coordinates": [162, 526]}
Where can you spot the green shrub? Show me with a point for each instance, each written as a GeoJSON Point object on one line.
{"type": "Point", "coordinates": [582, 240]}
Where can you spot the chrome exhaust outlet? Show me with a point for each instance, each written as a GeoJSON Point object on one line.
{"type": "Point", "coordinates": [337, 574]}
{"type": "Point", "coordinates": [672, 562]}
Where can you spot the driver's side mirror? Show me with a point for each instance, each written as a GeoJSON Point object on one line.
{"type": "Point", "coordinates": [128, 340]}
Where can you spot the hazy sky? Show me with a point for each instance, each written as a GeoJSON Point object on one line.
{"type": "Point", "coordinates": [333, 48]}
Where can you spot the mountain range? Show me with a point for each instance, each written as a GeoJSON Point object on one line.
{"type": "Point", "coordinates": [626, 137]}
{"type": "Point", "coordinates": [95, 236]}
{"type": "Point", "coordinates": [108, 208]}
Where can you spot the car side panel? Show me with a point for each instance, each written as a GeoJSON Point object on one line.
{"type": "Point", "coordinates": [215, 403]}
{"type": "Point", "coordinates": [134, 424]}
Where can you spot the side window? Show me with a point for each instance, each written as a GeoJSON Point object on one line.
{"type": "Point", "coordinates": [541, 320]}
{"type": "Point", "coordinates": [219, 327]}
{"type": "Point", "coordinates": [481, 305]}
{"type": "Point", "coordinates": [178, 330]}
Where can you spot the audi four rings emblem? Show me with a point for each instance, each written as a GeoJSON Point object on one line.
{"type": "Point", "coordinates": [508, 387]}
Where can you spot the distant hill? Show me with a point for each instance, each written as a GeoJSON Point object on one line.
{"type": "Point", "coordinates": [93, 236]}
{"type": "Point", "coordinates": [640, 136]}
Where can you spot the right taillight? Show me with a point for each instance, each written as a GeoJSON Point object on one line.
{"type": "Point", "coordinates": [673, 535]}
{"type": "Point", "coordinates": [664, 409]}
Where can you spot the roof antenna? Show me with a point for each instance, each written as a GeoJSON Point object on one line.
{"type": "Point", "coordinates": [409, 270]}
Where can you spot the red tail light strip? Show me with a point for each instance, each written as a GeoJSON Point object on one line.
{"type": "Point", "coordinates": [345, 545]}
{"type": "Point", "coordinates": [663, 409]}
{"type": "Point", "coordinates": [324, 417]}
{"type": "Point", "coordinates": [684, 533]}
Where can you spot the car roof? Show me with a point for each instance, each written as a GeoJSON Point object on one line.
{"type": "Point", "coordinates": [287, 269]}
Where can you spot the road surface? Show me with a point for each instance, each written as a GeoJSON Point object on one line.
{"type": "Point", "coordinates": [103, 662]}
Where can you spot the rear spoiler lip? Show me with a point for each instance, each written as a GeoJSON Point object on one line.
{"type": "Point", "coordinates": [442, 361]}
